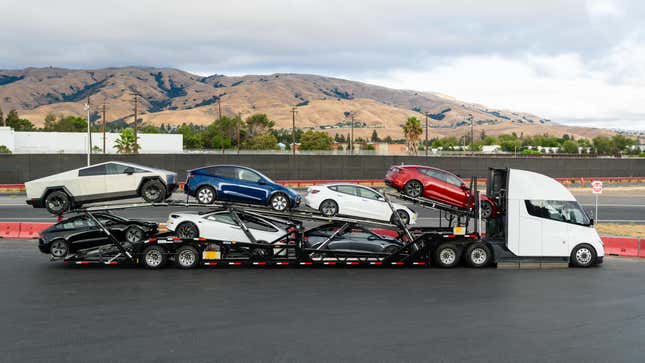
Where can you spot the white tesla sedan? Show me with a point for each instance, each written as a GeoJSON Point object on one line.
{"type": "Point", "coordinates": [221, 225]}
{"type": "Point", "coordinates": [355, 200]}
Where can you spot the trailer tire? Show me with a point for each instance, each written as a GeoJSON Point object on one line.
{"type": "Point", "coordinates": [446, 255]}
{"type": "Point", "coordinates": [154, 257]}
{"type": "Point", "coordinates": [478, 255]}
{"type": "Point", "coordinates": [187, 257]}
{"type": "Point", "coordinates": [413, 189]}
{"type": "Point", "coordinates": [583, 255]}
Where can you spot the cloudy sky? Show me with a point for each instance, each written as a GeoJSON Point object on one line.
{"type": "Point", "coordinates": [574, 61]}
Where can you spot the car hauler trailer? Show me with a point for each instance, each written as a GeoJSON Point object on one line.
{"type": "Point", "coordinates": [539, 224]}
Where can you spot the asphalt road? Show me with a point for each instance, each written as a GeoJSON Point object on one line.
{"type": "Point", "coordinates": [52, 312]}
{"type": "Point", "coordinates": [628, 209]}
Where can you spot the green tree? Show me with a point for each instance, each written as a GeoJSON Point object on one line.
{"type": "Point", "coordinates": [17, 123]}
{"type": "Point", "coordinates": [621, 142]}
{"type": "Point", "coordinates": [192, 140]}
{"type": "Point", "coordinates": [315, 140]}
{"type": "Point", "coordinates": [2, 117]}
{"type": "Point", "coordinates": [70, 124]}
{"type": "Point", "coordinates": [412, 130]}
{"type": "Point", "coordinates": [4, 150]}
{"type": "Point", "coordinates": [258, 124]}
{"type": "Point", "coordinates": [569, 147]}
{"type": "Point", "coordinates": [603, 145]}
{"type": "Point", "coordinates": [263, 141]}
{"type": "Point", "coordinates": [150, 129]}
{"type": "Point", "coordinates": [126, 143]}
{"type": "Point", "coordinates": [375, 137]}
{"type": "Point", "coordinates": [50, 122]}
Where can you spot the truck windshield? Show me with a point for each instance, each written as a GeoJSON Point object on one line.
{"type": "Point", "coordinates": [563, 211]}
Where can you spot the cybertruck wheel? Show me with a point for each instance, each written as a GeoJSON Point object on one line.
{"type": "Point", "coordinates": [154, 257]}
{"type": "Point", "coordinates": [583, 255]}
{"type": "Point", "coordinates": [446, 255]}
{"type": "Point", "coordinates": [153, 191]}
{"type": "Point", "coordinates": [59, 248]}
{"type": "Point", "coordinates": [187, 230]}
{"type": "Point", "coordinates": [413, 189]}
{"type": "Point", "coordinates": [328, 208]}
{"type": "Point", "coordinates": [279, 202]}
{"type": "Point", "coordinates": [186, 257]}
{"type": "Point", "coordinates": [205, 195]}
{"type": "Point", "coordinates": [57, 202]}
{"type": "Point", "coordinates": [478, 255]}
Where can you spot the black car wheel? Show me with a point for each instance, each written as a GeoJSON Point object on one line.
{"type": "Point", "coordinates": [446, 255]}
{"type": "Point", "coordinates": [59, 248]}
{"type": "Point", "coordinates": [390, 249]}
{"type": "Point", "coordinates": [279, 202]}
{"type": "Point", "coordinates": [413, 189]}
{"type": "Point", "coordinates": [57, 202]}
{"type": "Point", "coordinates": [187, 230]}
{"type": "Point", "coordinates": [583, 256]}
{"type": "Point", "coordinates": [328, 208]}
{"type": "Point", "coordinates": [486, 209]}
{"type": "Point", "coordinates": [403, 215]}
{"type": "Point", "coordinates": [134, 234]}
{"type": "Point", "coordinates": [154, 257]}
{"type": "Point", "coordinates": [205, 195]}
{"type": "Point", "coordinates": [262, 252]}
{"type": "Point", "coordinates": [478, 255]}
{"type": "Point", "coordinates": [153, 191]}
{"type": "Point", "coordinates": [187, 257]}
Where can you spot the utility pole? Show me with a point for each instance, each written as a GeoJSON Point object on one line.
{"type": "Point", "coordinates": [89, 133]}
{"type": "Point", "coordinates": [103, 129]}
{"type": "Point", "coordinates": [136, 126]}
{"type": "Point", "coordinates": [294, 111]}
{"type": "Point", "coordinates": [219, 107]}
{"type": "Point", "coordinates": [351, 140]}
{"type": "Point", "coordinates": [472, 134]}
{"type": "Point", "coordinates": [239, 125]}
{"type": "Point", "coordinates": [426, 145]}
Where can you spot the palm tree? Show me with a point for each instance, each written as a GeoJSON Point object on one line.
{"type": "Point", "coordinates": [125, 144]}
{"type": "Point", "coordinates": [412, 131]}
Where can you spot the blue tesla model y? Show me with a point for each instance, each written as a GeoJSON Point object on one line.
{"type": "Point", "coordinates": [233, 183]}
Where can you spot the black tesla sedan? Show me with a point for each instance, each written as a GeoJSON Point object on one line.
{"type": "Point", "coordinates": [80, 232]}
{"type": "Point", "coordinates": [352, 239]}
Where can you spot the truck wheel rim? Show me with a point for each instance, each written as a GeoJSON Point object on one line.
{"type": "Point", "coordinates": [134, 235]}
{"type": "Point", "coordinates": [279, 202]}
{"type": "Point", "coordinates": [583, 256]}
{"type": "Point", "coordinates": [153, 258]}
{"type": "Point", "coordinates": [59, 249]}
{"type": "Point", "coordinates": [186, 258]}
{"type": "Point", "coordinates": [448, 256]}
{"type": "Point", "coordinates": [205, 196]}
{"type": "Point", "coordinates": [328, 208]}
{"type": "Point", "coordinates": [478, 256]}
{"type": "Point", "coordinates": [152, 192]}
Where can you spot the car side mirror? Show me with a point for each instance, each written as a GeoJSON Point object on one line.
{"type": "Point", "coordinates": [262, 182]}
{"type": "Point", "coordinates": [129, 171]}
{"type": "Point", "coordinates": [381, 199]}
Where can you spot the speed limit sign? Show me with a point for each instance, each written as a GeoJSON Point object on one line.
{"type": "Point", "coordinates": [596, 187]}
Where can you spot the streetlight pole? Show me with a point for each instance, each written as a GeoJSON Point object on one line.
{"type": "Point", "coordinates": [293, 130]}
{"type": "Point", "coordinates": [426, 145]}
{"type": "Point", "coordinates": [89, 133]}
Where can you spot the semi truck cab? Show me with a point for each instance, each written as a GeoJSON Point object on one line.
{"type": "Point", "coordinates": [540, 221]}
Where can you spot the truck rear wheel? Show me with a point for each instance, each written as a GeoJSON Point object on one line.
{"type": "Point", "coordinates": [478, 255]}
{"type": "Point", "coordinates": [187, 257]}
{"type": "Point", "coordinates": [154, 257]}
{"type": "Point", "coordinates": [446, 255]}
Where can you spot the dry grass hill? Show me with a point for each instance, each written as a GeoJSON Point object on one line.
{"type": "Point", "coordinates": [172, 96]}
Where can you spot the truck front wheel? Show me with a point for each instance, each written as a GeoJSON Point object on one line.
{"type": "Point", "coordinates": [583, 256]}
{"type": "Point", "coordinates": [446, 255]}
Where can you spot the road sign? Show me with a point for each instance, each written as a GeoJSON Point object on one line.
{"type": "Point", "coordinates": [596, 187]}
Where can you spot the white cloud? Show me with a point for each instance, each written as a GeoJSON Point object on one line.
{"type": "Point", "coordinates": [603, 8]}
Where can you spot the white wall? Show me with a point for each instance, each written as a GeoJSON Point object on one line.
{"type": "Point", "coordinates": [27, 142]}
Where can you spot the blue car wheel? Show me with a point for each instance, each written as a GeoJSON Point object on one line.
{"type": "Point", "coordinates": [279, 202]}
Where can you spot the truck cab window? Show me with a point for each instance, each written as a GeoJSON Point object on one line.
{"type": "Point", "coordinates": [558, 210]}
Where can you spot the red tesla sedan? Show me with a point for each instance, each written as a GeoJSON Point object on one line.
{"type": "Point", "coordinates": [436, 184]}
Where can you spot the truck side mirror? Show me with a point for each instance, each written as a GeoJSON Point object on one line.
{"type": "Point", "coordinates": [591, 221]}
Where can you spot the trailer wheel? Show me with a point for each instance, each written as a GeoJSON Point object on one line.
{"type": "Point", "coordinates": [478, 255]}
{"type": "Point", "coordinates": [154, 257]}
{"type": "Point", "coordinates": [446, 255]}
{"type": "Point", "coordinates": [187, 257]}
{"type": "Point", "coordinates": [583, 256]}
